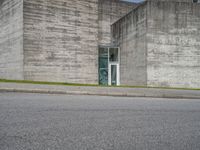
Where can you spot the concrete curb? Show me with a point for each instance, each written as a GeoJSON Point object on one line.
{"type": "Point", "coordinates": [43, 91]}
{"type": "Point", "coordinates": [161, 94]}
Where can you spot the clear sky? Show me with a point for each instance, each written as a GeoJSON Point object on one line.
{"type": "Point", "coordinates": [137, 1]}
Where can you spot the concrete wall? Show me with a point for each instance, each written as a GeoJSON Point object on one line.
{"type": "Point", "coordinates": [109, 12]}
{"type": "Point", "coordinates": [173, 44]}
{"type": "Point", "coordinates": [60, 40]}
{"type": "Point", "coordinates": [11, 39]}
{"type": "Point", "coordinates": [130, 34]}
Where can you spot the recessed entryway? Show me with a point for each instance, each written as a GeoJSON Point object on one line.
{"type": "Point", "coordinates": [109, 70]}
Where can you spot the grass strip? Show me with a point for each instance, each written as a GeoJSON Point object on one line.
{"type": "Point", "coordinates": [92, 85]}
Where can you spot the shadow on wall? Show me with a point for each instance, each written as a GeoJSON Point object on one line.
{"type": "Point", "coordinates": [1, 2]}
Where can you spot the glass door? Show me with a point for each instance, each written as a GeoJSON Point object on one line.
{"type": "Point", "coordinates": [113, 78]}
{"type": "Point", "coordinates": [109, 73]}
{"type": "Point", "coordinates": [103, 66]}
{"type": "Point", "coordinates": [113, 74]}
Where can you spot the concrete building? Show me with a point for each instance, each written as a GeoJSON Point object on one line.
{"type": "Point", "coordinates": [155, 43]}
{"type": "Point", "coordinates": [50, 40]}
{"type": "Point", "coordinates": [160, 44]}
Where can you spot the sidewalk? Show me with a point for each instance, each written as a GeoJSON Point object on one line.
{"type": "Point", "coordinates": [101, 91]}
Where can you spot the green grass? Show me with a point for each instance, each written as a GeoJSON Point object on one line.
{"type": "Point", "coordinates": [44, 82]}
{"type": "Point", "coordinates": [94, 85]}
{"type": "Point", "coordinates": [151, 87]}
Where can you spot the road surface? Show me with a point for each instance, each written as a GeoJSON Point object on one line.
{"type": "Point", "coordinates": [66, 122]}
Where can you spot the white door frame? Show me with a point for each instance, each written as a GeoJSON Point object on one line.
{"type": "Point", "coordinates": [117, 73]}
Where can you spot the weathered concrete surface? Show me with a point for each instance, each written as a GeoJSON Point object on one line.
{"type": "Point", "coordinates": [129, 33]}
{"type": "Point", "coordinates": [171, 40]}
{"type": "Point", "coordinates": [61, 40]}
{"type": "Point", "coordinates": [11, 39]}
{"type": "Point", "coordinates": [55, 40]}
{"type": "Point", "coordinates": [58, 41]}
{"type": "Point", "coordinates": [109, 11]}
{"type": "Point", "coordinates": [100, 91]}
{"type": "Point", "coordinates": [173, 44]}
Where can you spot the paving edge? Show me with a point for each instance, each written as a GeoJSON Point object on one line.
{"type": "Point", "coordinates": [44, 91]}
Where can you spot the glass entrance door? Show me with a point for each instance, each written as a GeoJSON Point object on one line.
{"type": "Point", "coordinates": [113, 74]}
{"type": "Point", "coordinates": [109, 66]}
{"type": "Point", "coordinates": [103, 66]}
{"type": "Point", "coordinates": [113, 78]}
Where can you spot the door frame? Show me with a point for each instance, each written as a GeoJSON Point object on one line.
{"type": "Point", "coordinates": [117, 73]}
{"type": "Point", "coordinates": [112, 63]}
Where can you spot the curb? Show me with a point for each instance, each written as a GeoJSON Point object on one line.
{"type": "Point", "coordinates": [43, 91]}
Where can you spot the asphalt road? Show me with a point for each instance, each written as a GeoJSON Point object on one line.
{"type": "Point", "coordinates": [64, 122]}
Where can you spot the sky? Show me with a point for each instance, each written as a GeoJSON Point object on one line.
{"type": "Point", "coordinates": [134, 0]}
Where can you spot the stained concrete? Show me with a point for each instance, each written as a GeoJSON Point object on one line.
{"type": "Point", "coordinates": [61, 40]}
{"type": "Point", "coordinates": [170, 45]}
{"type": "Point", "coordinates": [129, 33]}
{"type": "Point", "coordinates": [55, 40]}
{"type": "Point", "coordinates": [58, 40]}
{"type": "Point", "coordinates": [109, 12]}
{"type": "Point", "coordinates": [11, 39]}
{"type": "Point", "coordinates": [173, 44]}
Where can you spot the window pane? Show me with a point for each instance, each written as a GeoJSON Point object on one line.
{"type": "Point", "coordinates": [113, 54]}
{"type": "Point", "coordinates": [113, 75]}
{"type": "Point", "coordinates": [103, 66]}
{"type": "Point", "coordinates": [103, 76]}
{"type": "Point", "coordinates": [103, 58]}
